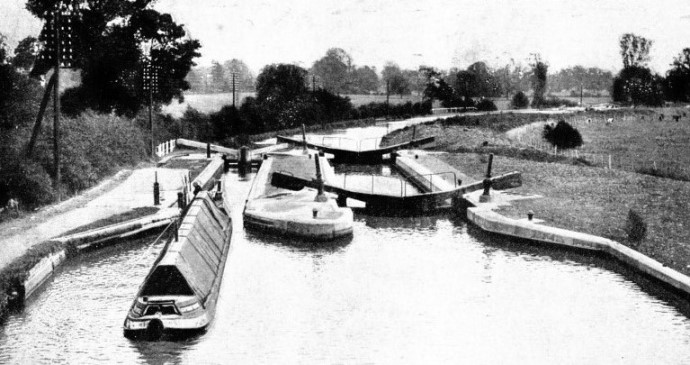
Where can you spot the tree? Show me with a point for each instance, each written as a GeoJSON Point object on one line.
{"type": "Point", "coordinates": [25, 53]}
{"type": "Point", "coordinates": [677, 86]}
{"type": "Point", "coordinates": [334, 70]}
{"type": "Point", "coordinates": [195, 79]}
{"type": "Point", "coordinates": [109, 38]}
{"type": "Point", "coordinates": [635, 83]}
{"type": "Point", "coordinates": [393, 77]}
{"type": "Point", "coordinates": [437, 87]}
{"type": "Point", "coordinates": [244, 79]}
{"type": "Point", "coordinates": [218, 77]}
{"type": "Point", "coordinates": [538, 81]}
{"type": "Point", "coordinates": [365, 80]}
{"type": "Point", "coordinates": [635, 50]}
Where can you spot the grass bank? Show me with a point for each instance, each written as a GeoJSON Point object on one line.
{"type": "Point", "coordinates": [576, 194]}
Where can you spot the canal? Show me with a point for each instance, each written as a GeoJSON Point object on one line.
{"type": "Point", "coordinates": [417, 290]}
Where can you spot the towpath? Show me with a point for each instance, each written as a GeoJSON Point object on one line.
{"type": "Point", "coordinates": [121, 193]}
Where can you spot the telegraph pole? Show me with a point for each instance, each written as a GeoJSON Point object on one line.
{"type": "Point", "coordinates": [56, 102]}
{"type": "Point", "coordinates": [233, 89]}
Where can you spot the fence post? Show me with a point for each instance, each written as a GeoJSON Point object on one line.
{"type": "Point", "coordinates": [156, 191]}
{"type": "Point", "coordinates": [609, 162]}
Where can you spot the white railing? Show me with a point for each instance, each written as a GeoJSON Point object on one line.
{"type": "Point", "coordinates": [452, 110]}
{"type": "Point", "coordinates": [165, 148]}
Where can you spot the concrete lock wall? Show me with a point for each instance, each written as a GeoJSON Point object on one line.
{"type": "Point", "coordinates": [491, 221]}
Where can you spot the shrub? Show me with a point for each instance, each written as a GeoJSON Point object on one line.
{"type": "Point", "coordinates": [563, 135]}
{"type": "Point", "coordinates": [553, 102]}
{"type": "Point", "coordinates": [486, 105]}
{"type": "Point", "coordinates": [635, 227]}
{"type": "Point", "coordinates": [520, 101]}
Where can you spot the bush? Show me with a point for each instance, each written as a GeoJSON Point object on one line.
{"type": "Point", "coordinates": [635, 227]}
{"type": "Point", "coordinates": [563, 135]}
{"type": "Point", "coordinates": [553, 102]}
{"type": "Point", "coordinates": [520, 101]}
{"type": "Point", "coordinates": [486, 105]}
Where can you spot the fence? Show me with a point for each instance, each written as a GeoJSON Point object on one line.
{"type": "Point", "coordinates": [531, 135]}
{"type": "Point", "coordinates": [165, 148]}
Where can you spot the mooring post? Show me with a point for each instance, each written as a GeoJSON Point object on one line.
{"type": "Point", "coordinates": [208, 149]}
{"type": "Point", "coordinates": [304, 140]}
{"type": "Point", "coordinates": [177, 237]}
{"type": "Point", "coordinates": [156, 191]}
{"type": "Point", "coordinates": [244, 159]}
{"type": "Point", "coordinates": [320, 196]}
{"type": "Point", "coordinates": [486, 197]}
{"type": "Point", "coordinates": [530, 215]}
{"type": "Point", "coordinates": [226, 163]}
{"type": "Point", "coordinates": [180, 200]}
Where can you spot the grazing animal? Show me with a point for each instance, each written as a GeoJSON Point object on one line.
{"type": "Point", "coordinates": [676, 118]}
{"type": "Point", "coordinates": [661, 117]}
{"type": "Point", "coordinates": [13, 206]}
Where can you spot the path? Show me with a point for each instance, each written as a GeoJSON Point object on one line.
{"type": "Point", "coordinates": [120, 194]}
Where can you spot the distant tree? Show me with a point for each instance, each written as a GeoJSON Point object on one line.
{"type": "Point", "coordinates": [393, 77]}
{"type": "Point", "coordinates": [437, 88]}
{"type": "Point", "coordinates": [195, 79]}
{"type": "Point", "coordinates": [365, 80]}
{"type": "Point", "coordinates": [635, 84]}
{"type": "Point", "coordinates": [334, 70]}
{"type": "Point", "coordinates": [19, 95]}
{"type": "Point", "coordinates": [25, 53]}
{"type": "Point", "coordinates": [218, 81]}
{"type": "Point", "coordinates": [108, 41]}
{"type": "Point", "coordinates": [415, 80]}
{"type": "Point", "coordinates": [244, 79]}
{"type": "Point", "coordinates": [538, 81]}
{"type": "Point", "coordinates": [678, 78]}
{"type": "Point", "coordinates": [281, 82]}
{"type": "Point", "coordinates": [635, 50]}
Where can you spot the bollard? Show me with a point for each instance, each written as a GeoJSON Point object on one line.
{"type": "Point", "coordinates": [486, 197]}
{"type": "Point", "coordinates": [265, 156]}
{"type": "Point", "coordinates": [321, 153]}
{"type": "Point", "coordinates": [177, 237]}
{"type": "Point", "coordinates": [197, 189]}
{"type": "Point", "coordinates": [314, 212]}
{"type": "Point", "coordinates": [341, 200]}
{"type": "Point", "coordinates": [218, 185]}
{"type": "Point", "coordinates": [304, 140]}
{"type": "Point", "coordinates": [180, 201]}
{"type": "Point", "coordinates": [208, 150]}
{"type": "Point", "coordinates": [488, 167]}
{"type": "Point", "coordinates": [156, 191]}
{"type": "Point", "coordinates": [226, 163]}
{"type": "Point", "coordinates": [530, 215]}
{"type": "Point", "coordinates": [244, 163]}
{"type": "Point", "coordinates": [320, 196]}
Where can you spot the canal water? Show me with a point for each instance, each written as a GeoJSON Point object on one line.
{"type": "Point", "coordinates": [419, 290]}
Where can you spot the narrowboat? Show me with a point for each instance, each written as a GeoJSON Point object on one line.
{"type": "Point", "coordinates": [180, 292]}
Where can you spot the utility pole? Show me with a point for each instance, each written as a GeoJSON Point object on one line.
{"type": "Point", "coordinates": [388, 93]}
{"type": "Point", "coordinates": [233, 89]}
{"type": "Point", "coordinates": [581, 93]}
{"type": "Point", "coordinates": [151, 85]}
{"type": "Point", "coordinates": [313, 83]}
{"type": "Point", "coordinates": [56, 102]}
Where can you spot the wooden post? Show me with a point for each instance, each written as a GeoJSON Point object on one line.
{"type": "Point", "coordinates": [39, 117]}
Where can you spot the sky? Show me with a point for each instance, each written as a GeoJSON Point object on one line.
{"type": "Point", "coordinates": [440, 33]}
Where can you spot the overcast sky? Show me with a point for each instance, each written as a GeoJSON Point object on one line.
{"type": "Point", "coordinates": [441, 33]}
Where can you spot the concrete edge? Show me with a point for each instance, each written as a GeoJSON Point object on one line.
{"type": "Point", "coordinates": [490, 221]}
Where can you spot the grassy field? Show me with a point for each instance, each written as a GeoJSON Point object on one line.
{"type": "Point", "coordinates": [205, 103]}
{"type": "Point", "coordinates": [584, 198]}
{"type": "Point", "coordinates": [209, 103]}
